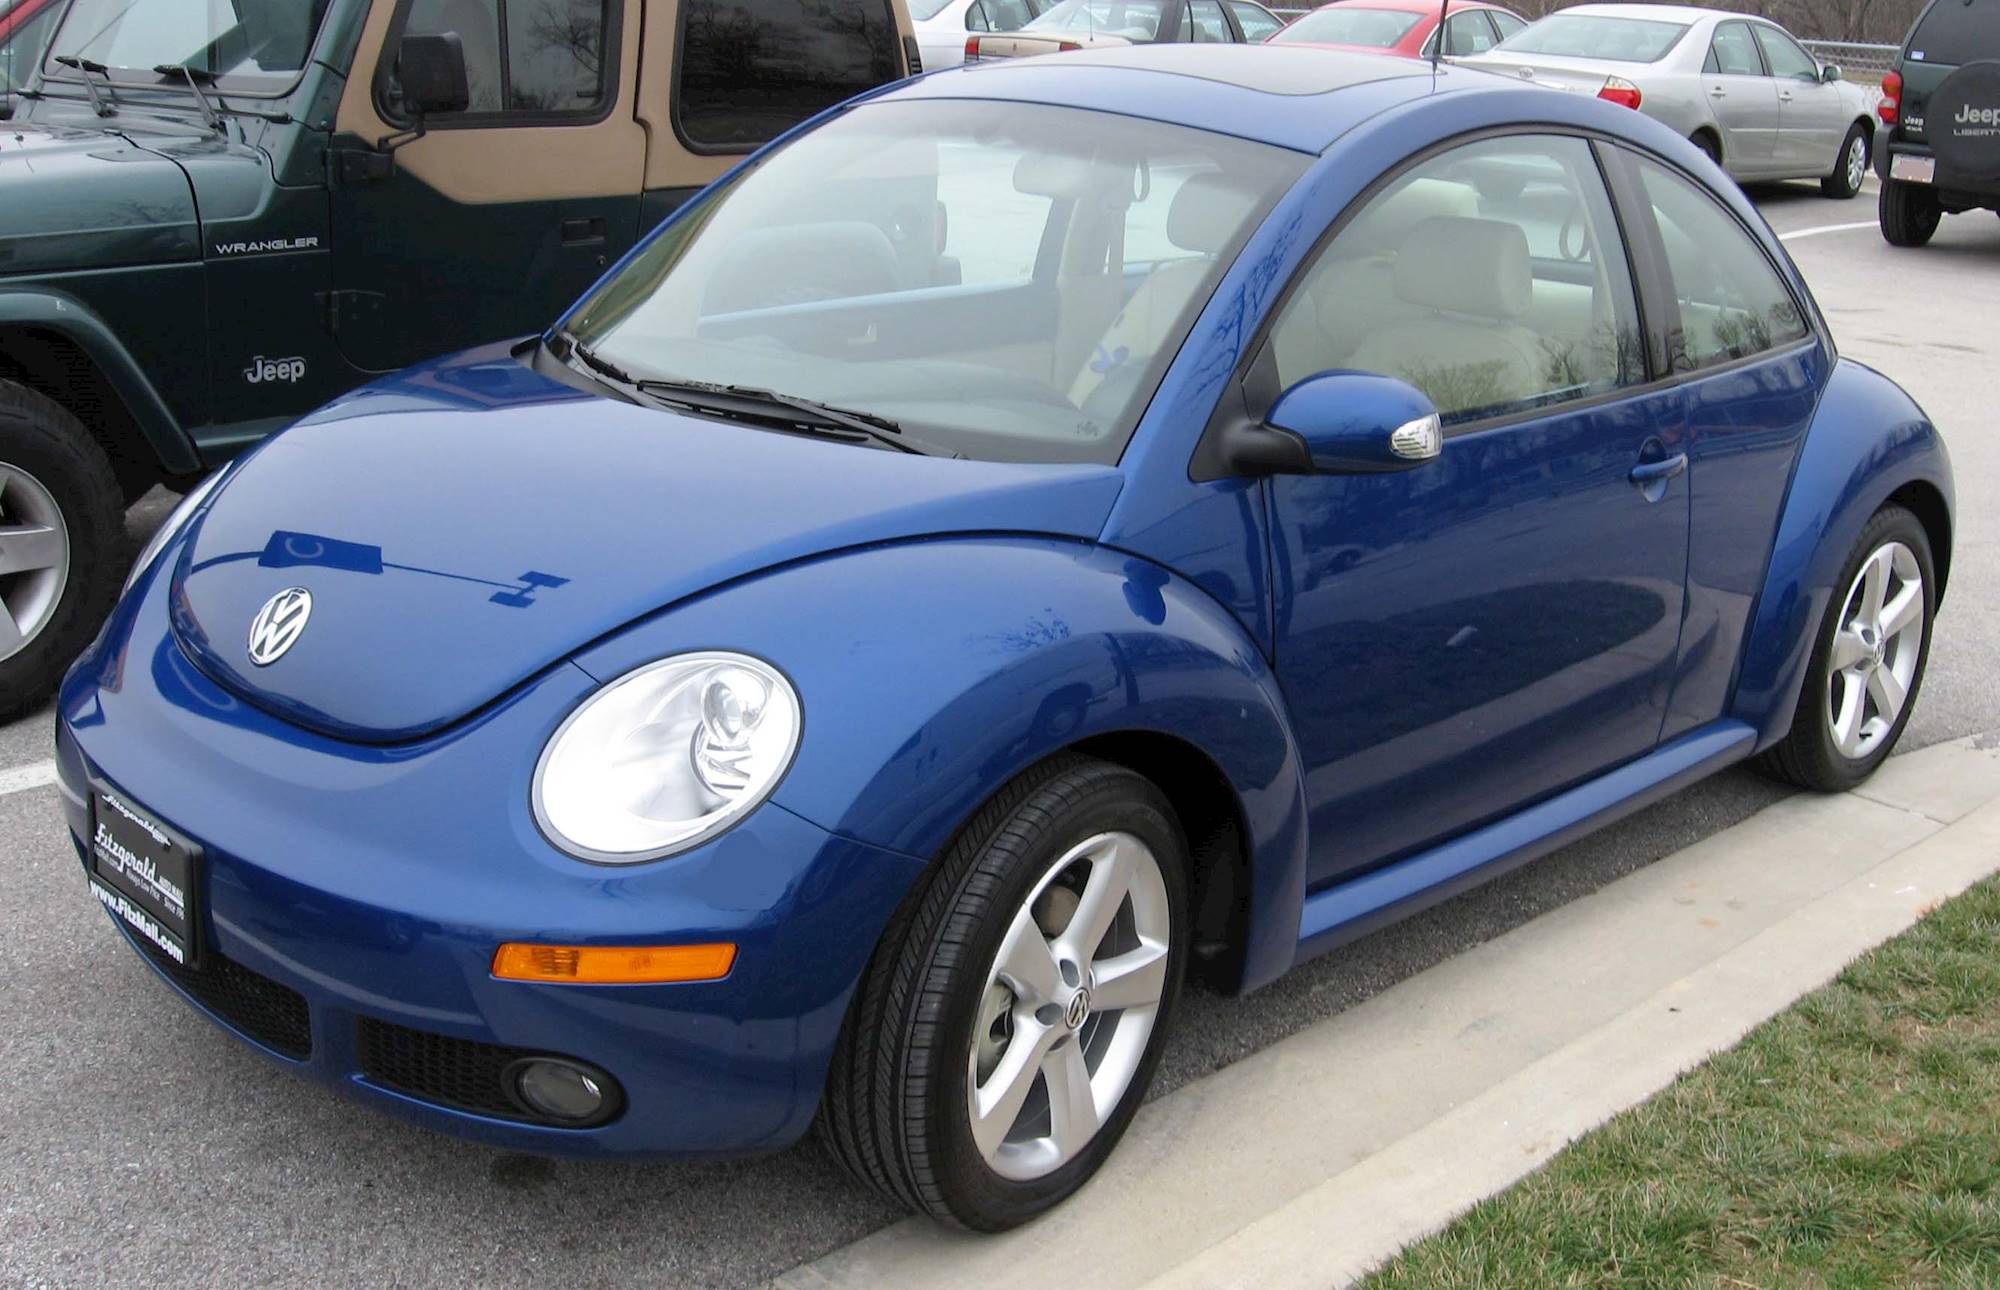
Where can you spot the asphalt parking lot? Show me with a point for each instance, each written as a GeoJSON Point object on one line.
{"type": "Point", "coordinates": [143, 1144]}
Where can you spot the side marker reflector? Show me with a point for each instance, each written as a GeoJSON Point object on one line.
{"type": "Point", "coordinates": [612, 964]}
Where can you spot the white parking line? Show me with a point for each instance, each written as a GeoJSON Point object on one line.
{"type": "Point", "coordinates": [18, 778]}
{"type": "Point", "coordinates": [1824, 228]}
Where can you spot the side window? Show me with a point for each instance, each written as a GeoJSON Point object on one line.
{"type": "Point", "coordinates": [1008, 15]}
{"type": "Point", "coordinates": [1732, 302]}
{"type": "Point", "coordinates": [533, 57]}
{"type": "Point", "coordinates": [1506, 23]}
{"type": "Point", "coordinates": [1211, 25]}
{"type": "Point", "coordinates": [975, 17]}
{"type": "Point", "coordinates": [1788, 61]}
{"type": "Point", "coordinates": [747, 70]}
{"type": "Point", "coordinates": [1470, 33]}
{"type": "Point", "coordinates": [1257, 22]}
{"type": "Point", "coordinates": [1491, 277]}
{"type": "Point", "coordinates": [22, 49]}
{"type": "Point", "coordinates": [1731, 53]}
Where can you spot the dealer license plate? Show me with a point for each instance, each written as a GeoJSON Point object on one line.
{"type": "Point", "coordinates": [145, 873]}
{"type": "Point", "coordinates": [1918, 170]}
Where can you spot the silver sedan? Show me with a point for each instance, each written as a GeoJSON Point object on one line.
{"type": "Point", "coordinates": [1739, 86]}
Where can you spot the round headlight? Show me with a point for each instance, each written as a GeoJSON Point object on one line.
{"type": "Point", "coordinates": [666, 757]}
{"type": "Point", "coordinates": [175, 522]}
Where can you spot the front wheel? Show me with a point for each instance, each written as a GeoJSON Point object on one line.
{"type": "Point", "coordinates": [1006, 1031]}
{"type": "Point", "coordinates": [1909, 213]}
{"type": "Point", "coordinates": [1868, 662]}
{"type": "Point", "coordinates": [62, 528]}
{"type": "Point", "coordinates": [1850, 168]}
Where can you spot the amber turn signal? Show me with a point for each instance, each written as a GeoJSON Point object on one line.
{"type": "Point", "coordinates": [612, 964]}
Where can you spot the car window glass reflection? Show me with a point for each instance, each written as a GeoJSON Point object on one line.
{"type": "Point", "coordinates": [1490, 277]}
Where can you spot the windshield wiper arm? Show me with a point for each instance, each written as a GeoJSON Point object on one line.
{"type": "Point", "coordinates": [208, 113]}
{"type": "Point", "coordinates": [86, 68]}
{"type": "Point", "coordinates": [747, 401]}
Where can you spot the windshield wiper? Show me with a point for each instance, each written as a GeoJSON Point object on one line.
{"type": "Point", "coordinates": [87, 69]}
{"type": "Point", "coordinates": [749, 403]}
{"type": "Point", "coordinates": [194, 80]}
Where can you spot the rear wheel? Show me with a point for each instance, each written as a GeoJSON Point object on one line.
{"type": "Point", "coordinates": [1850, 168]}
{"type": "Point", "coordinates": [1868, 662]}
{"type": "Point", "coordinates": [62, 526]}
{"type": "Point", "coordinates": [1909, 213]}
{"type": "Point", "coordinates": [1006, 1031]}
{"type": "Point", "coordinates": [1710, 147]}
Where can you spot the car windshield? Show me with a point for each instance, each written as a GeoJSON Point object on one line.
{"type": "Point", "coordinates": [1135, 20]}
{"type": "Point", "coordinates": [1342, 25]}
{"type": "Point", "coordinates": [1007, 281]}
{"type": "Point", "coordinates": [249, 45]}
{"type": "Point", "coordinates": [1619, 40]}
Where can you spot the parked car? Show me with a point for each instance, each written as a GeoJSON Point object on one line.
{"type": "Point", "coordinates": [1940, 113]}
{"type": "Point", "coordinates": [24, 32]}
{"type": "Point", "coordinates": [943, 26]}
{"type": "Point", "coordinates": [320, 219]}
{"type": "Point", "coordinates": [780, 695]}
{"type": "Point", "coordinates": [1740, 87]}
{"type": "Point", "coordinates": [1110, 24]}
{"type": "Point", "coordinates": [1406, 27]}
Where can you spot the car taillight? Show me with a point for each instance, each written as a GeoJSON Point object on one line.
{"type": "Point", "coordinates": [1620, 91]}
{"type": "Point", "coordinates": [971, 47]}
{"type": "Point", "coordinates": [1891, 105]}
{"type": "Point", "coordinates": [1062, 46]}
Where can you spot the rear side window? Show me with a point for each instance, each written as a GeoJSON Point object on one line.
{"type": "Point", "coordinates": [1256, 22]}
{"type": "Point", "coordinates": [1957, 31]}
{"type": "Point", "coordinates": [1507, 23]}
{"type": "Point", "coordinates": [1732, 53]}
{"type": "Point", "coordinates": [524, 58]}
{"type": "Point", "coordinates": [1732, 302]}
{"type": "Point", "coordinates": [748, 70]}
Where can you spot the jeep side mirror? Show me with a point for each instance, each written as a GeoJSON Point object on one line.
{"type": "Point", "coordinates": [1339, 423]}
{"type": "Point", "coordinates": [1829, 73]}
{"type": "Point", "coordinates": [431, 71]}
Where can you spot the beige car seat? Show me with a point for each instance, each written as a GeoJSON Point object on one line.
{"type": "Point", "coordinates": [1470, 282]}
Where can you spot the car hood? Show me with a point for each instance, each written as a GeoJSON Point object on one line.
{"type": "Point", "coordinates": [464, 525]}
{"type": "Point", "coordinates": [81, 198]}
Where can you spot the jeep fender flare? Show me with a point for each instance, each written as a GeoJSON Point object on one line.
{"type": "Point", "coordinates": [1869, 442]}
{"type": "Point", "coordinates": [937, 670]}
{"type": "Point", "coordinates": [42, 309]}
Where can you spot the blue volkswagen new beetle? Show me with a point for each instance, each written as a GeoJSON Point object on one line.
{"type": "Point", "coordinates": [1040, 532]}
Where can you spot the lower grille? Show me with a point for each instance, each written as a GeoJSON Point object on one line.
{"type": "Point", "coordinates": [274, 1015]}
{"type": "Point", "coordinates": [460, 1073]}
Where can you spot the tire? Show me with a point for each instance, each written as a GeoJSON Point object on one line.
{"type": "Point", "coordinates": [1864, 669]}
{"type": "Point", "coordinates": [1710, 147]}
{"type": "Point", "coordinates": [60, 501]}
{"type": "Point", "coordinates": [1850, 166]}
{"type": "Point", "coordinates": [1909, 213]}
{"type": "Point", "coordinates": [937, 1023]}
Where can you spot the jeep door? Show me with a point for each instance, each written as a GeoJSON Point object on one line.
{"type": "Point", "coordinates": [499, 216]}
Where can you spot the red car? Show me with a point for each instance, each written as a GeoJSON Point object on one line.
{"type": "Point", "coordinates": [1402, 27]}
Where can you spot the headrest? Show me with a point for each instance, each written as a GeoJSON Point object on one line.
{"type": "Point", "coordinates": [1466, 266]}
{"type": "Point", "coordinates": [1384, 225]}
{"type": "Point", "coordinates": [1207, 212]}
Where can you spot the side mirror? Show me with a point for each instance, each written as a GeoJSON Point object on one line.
{"type": "Point", "coordinates": [1829, 73]}
{"type": "Point", "coordinates": [1358, 423]}
{"type": "Point", "coordinates": [431, 71]}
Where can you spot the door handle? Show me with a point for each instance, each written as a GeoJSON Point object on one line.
{"type": "Point", "coordinates": [1650, 477]}
{"type": "Point", "coordinates": [1717, 92]}
{"type": "Point", "coordinates": [582, 232]}
{"type": "Point", "coordinates": [1784, 96]}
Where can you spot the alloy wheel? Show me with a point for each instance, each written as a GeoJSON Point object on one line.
{"type": "Point", "coordinates": [34, 558]}
{"type": "Point", "coordinates": [1069, 1004]}
{"type": "Point", "coordinates": [1876, 648]}
{"type": "Point", "coordinates": [1857, 162]}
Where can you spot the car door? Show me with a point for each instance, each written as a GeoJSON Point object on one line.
{"type": "Point", "coordinates": [1458, 639]}
{"type": "Point", "coordinates": [1743, 99]}
{"type": "Point", "coordinates": [499, 216]}
{"type": "Point", "coordinates": [1812, 114]}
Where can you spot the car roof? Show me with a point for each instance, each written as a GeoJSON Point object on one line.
{"type": "Point", "coordinates": [1686, 13]}
{"type": "Point", "coordinates": [1295, 97]}
{"type": "Point", "coordinates": [1407, 6]}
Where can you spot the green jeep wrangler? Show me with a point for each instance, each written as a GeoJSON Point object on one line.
{"type": "Point", "coordinates": [217, 214]}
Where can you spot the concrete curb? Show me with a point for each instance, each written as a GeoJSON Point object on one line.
{"type": "Point", "coordinates": [1319, 1157]}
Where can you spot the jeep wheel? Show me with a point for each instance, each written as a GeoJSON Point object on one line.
{"type": "Point", "coordinates": [62, 529]}
{"type": "Point", "coordinates": [1850, 168]}
{"type": "Point", "coordinates": [1909, 213]}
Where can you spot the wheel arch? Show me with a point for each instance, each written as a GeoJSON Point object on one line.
{"type": "Point", "coordinates": [58, 347]}
{"type": "Point", "coordinates": [1869, 445]}
{"type": "Point", "coordinates": [1714, 136]}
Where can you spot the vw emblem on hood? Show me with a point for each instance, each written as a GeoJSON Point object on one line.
{"type": "Point", "coordinates": [278, 625]}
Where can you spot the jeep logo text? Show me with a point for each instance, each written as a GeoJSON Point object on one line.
{"type": "Point", "coordinates": [263, 369]}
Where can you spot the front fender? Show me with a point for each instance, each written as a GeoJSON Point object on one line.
{"type": "Point", "coordinates": [932, 672]}
{"type": "Point", "coordinates": [1868, 440]}
{"type": "Point", "coordinates": [59, 312]}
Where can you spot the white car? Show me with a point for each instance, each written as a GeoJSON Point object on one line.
{"type": "Point", "coordinates": [943, 25]}
{"type": "Point", "coordinates": [1739, 86]}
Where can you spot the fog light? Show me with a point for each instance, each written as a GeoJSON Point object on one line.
{"type": "Point", "coordinates": [564, 1092]}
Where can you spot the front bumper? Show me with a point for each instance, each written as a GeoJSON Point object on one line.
{"type": "Point", "coordinates": [374, 883]}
